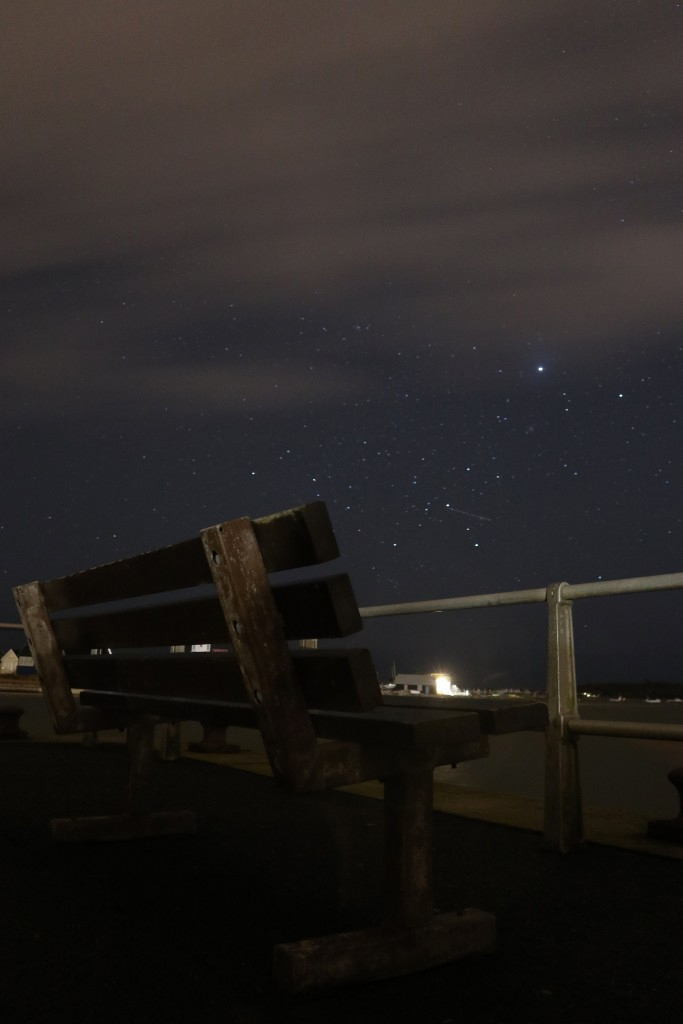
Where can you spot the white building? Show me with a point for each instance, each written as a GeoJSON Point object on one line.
{"type": "Point", "coordinates": [434, 683]}
{"type": "Point", "coordinates": [12, 664]}
{"type": "Point", "coordinates": [9, 663]}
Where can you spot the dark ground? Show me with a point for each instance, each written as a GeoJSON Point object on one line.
{"type": "Point", "coordinates": [182, 929]}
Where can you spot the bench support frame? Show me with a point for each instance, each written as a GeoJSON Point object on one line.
{"type": "Point", "coordinates": [412, 938]}
{"type": "Point", "coordinates": [347, 738]}
{"type": "Point", "coordinates": [137, 821]}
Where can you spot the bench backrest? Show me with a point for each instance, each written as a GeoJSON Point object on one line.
{"type": "Point", "coordinates": [213, 589]}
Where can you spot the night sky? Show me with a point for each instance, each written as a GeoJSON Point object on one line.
{"type": "Point", "coordinates": [422, 260]}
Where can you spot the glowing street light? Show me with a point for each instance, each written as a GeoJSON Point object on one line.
{"type": "Point", "coordinates": [442, 682]}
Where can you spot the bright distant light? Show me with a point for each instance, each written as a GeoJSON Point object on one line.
{"type": "Point", "coordinates": [540, 369]}
{"type": "Point", "coordinates": [443, 685]}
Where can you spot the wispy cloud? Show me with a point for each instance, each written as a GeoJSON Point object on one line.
{"type": "Point", "coordinates": [499, 172]}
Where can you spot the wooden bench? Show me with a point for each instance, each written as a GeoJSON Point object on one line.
{"type": "Point", "coordinates": [320, 712]}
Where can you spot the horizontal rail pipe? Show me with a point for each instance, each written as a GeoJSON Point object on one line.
{"type": "Point", "coordinates": [629, 730]}
{"type": "Point", "coordinates": [634, 585]}
{"type": "Point", "coordinates": [447, 604]}
{"type": "Point", "coordinates": [570, 592]}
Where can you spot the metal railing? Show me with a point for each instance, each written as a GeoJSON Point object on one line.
{"type": "Point", "coordinates": [563, 815]}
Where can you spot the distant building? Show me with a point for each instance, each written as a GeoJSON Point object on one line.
{"type": "Point", "coordinates": [26, 666]}
{"type": "Point", "coordinates": [434, 683]}
{"type": "Point", "coordinates": [9, 663]}
{"type": "Point", "coordinates": [12, 664]}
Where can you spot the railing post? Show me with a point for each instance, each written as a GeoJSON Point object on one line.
{"type": "Point", "coordinates": [563, 826]}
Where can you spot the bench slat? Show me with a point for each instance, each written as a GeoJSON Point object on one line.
{"type": "Point", "coordinates": [409, 729]}
{"type": "Point", "coordinates": [497, 715]}
{"type": "Point", "coordinates": [323, 607]}
{"type": "Point", "coordinates": [343, 680]}
{"type": "Point", "coordinates": [152, 572]}
{"type": "Point", "coordinates": [295, 538]}
{"type": "Point", "coordinates": [404, 729]}
{"type": "Point", "coordinates": [288, 540]}
{"type": "Point", "coordinates": [257, 637]}
{"type": "Point", "coordinates": [172, 709]}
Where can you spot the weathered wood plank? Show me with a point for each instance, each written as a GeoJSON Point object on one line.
{"type": "Point", "coordinates": [323, 608]}
{"type": "Point", "coordinates": [258, 639]}
{"type": "Point", "coordinates": [152, 572]}
{"type": "Point", "coordinates": [65, 714]}
{"type": "Point", "coordinates": [173, 709]}
{"type": "Point", "coordinates": [113, 827]}
{"type": "Point", "coordinates": [497, 715]}
{"type": "Point", "coordinates": [291, 539]}
{"type": "Point", "coordinates": [372, 955]}
{"type": "Point", "coordinates": [197, 621]}
{"type": "Point", "coordinates": [296, 537]}
{"type": "Point", "coordinates": [341, 680]}
{"type": "Point", "coordinates": [408, 730]}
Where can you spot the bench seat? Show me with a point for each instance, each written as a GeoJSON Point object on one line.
{"type": "Point", "coordinates": [497, 715]}
{"type": "Point", "coordinates": [407, 730]}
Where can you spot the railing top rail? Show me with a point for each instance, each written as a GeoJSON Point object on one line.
{"type": "Point", "coordinates": [11, 625]}
{"type": "Point", "coordinates": [570, 591]}
{"type": "Point", "coordinates": [634, 585]}
{"type": "Point", "coordinates": [446, 604]}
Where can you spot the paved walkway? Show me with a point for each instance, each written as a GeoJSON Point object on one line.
{"type": "Point", "coordinates": [601, 825]}
{"type": "Point", "coordinates": [182, 929]}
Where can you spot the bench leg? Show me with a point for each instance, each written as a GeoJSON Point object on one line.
{"type": "Point", "coordinates": [9, 723]}
{"type": "Point", "coordinates": [670, 829]}
{"type": "Point", "coordinates": [408, 873]}
{"type": "Point", "coordinates": [411, 938]}
{"type": "Point", "coordinates": [137, 821]}
{"type": "Point", "coordinates": [171, 745]}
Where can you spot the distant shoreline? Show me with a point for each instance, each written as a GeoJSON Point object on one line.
{"type": "Point", "coordinates": [634, 691]}
{"type": "Point", "coordinates": [646, 690]}
{"type": "Point", "coordinates": [590, 691]}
